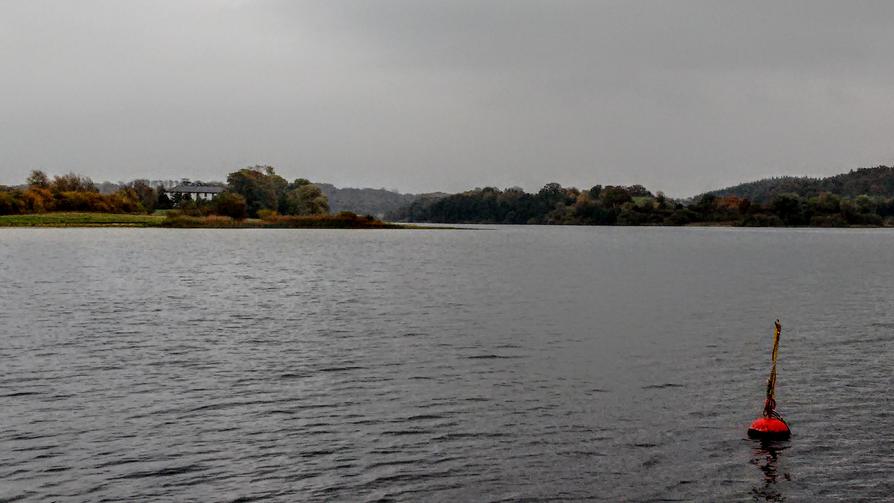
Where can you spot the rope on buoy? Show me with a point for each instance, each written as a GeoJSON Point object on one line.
{"type": "Point", "coordinates": [771, 426]}
{"type": "Point", "coordinates": [770, 404]}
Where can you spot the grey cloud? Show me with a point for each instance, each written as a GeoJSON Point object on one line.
{"type": "Point", "coordinates": [446, 95]}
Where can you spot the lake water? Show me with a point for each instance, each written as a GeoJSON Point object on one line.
{"type": "Point", "coordinates": [513, 363]}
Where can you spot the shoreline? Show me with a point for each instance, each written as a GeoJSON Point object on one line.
{"type": "Point", "coordinates": [128, 220]}
{"type": "Point", "coordinates": [122, 220]}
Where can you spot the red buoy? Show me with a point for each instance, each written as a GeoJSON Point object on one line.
{"type": "Point", "coordinates": [771, 426]}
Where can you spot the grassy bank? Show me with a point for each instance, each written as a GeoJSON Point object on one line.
{"type": "Point", "coordinates": [73, 219]}
{"type": "Point", "coordinates": [65, 219]}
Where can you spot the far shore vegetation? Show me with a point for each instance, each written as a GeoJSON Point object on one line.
{"type": "Point", "coordinates": [257, 197]}
{"type": "Point", "coordinates": [254, 197]}
{"type": "Point", "coordinates": [861, 198]}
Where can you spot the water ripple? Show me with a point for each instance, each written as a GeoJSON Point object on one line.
{"type": "Point", "coordinates": [517, 364]}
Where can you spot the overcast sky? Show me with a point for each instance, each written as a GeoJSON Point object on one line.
{"type": "Point", "coordinates": [447, 95]}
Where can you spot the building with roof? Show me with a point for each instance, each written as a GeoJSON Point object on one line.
{"type": "Point", "coordinates": [196, 191]}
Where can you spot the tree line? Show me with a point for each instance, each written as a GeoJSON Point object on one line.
{"type": "Point", "coordinates": [877, 182]}
{"type": "Point", "coordinates": [635, 205]}
{"type": "Point", "coordinates": [73, 192]}
{"type": "Point", "coordinates": [866, 198]}
{"type": "Point", "coordinates": [256, 192]}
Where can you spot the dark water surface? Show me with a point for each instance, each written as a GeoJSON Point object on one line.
{"type": "Point", "coordinates": [538, 363]}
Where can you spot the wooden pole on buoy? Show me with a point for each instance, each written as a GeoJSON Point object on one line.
{"type": "Point", "coordinates": [771, 426]}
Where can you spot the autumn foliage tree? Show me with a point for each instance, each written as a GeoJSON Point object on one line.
{"type": "Point", "coordinates": [261, 187]}
{"type": "Point", "coordinates": [232, 205]}
{"type": "Point", "coordinates": [265, 191]}
{"type": "Point", "coordinates": [72, 192]}
{"type": "Point", "coordinates": [305, 198]}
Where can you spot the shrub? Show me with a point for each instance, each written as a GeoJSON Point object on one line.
{"type": "Point", "coordinates": [681, 217]}
{"type": "Point", "coordinates": [761, 220]}
{"type": "Point", "coordinates": [871, 219]}
{"type": "Point", "coordinates": [81, 201]}
{"type": "Point", "coordinates": [9, 203]}
{"type": "Point", "coordinates": [37, 200]}
{"type": "Point", "coordinates": [307, 199]}
{"type": "Point", "coordinates": [193, 208]}
{"type": "Point", "coordinates": [232, 205]}
{"type": "Point", "coordinates": [828, 221]}
{"type": "Point", "coordinates": [219, 221]}
{"type": "Point", "coordinates": [124, 201]}
{"type": "Point", "coordinates": [72, 183]}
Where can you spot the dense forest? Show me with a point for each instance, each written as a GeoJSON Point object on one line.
{"type": "Point", "coordinates": [635, 205]}
{"type": "Point", "coordinates": [873, 182]}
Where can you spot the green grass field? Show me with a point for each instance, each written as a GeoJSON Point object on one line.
{"type": "Point", "coordinates": [66, 219]}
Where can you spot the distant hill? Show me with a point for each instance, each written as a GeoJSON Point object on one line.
{"type": "Point", "coordinates": [878, 181]}
{"type": "Point", "coordinates": [376, 202]}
